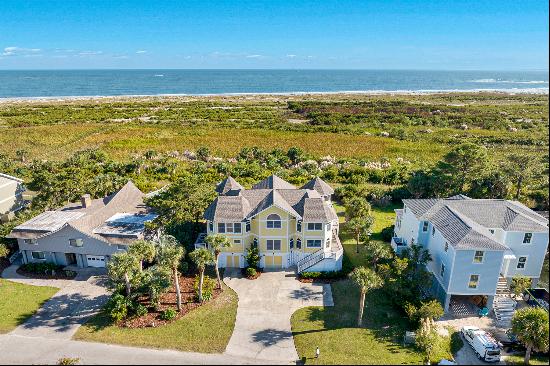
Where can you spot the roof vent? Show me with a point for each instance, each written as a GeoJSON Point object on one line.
{"type": "Point", "coordinates": [86, 201]}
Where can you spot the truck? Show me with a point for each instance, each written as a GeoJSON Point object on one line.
{"type": "Point", "coordinates": [483, 343]}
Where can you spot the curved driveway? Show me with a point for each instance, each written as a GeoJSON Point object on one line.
{"type": "Point", "coordinates": [262, 328]}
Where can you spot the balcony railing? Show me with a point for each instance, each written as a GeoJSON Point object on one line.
{"type": "Point", "coordinates": [398, 243]}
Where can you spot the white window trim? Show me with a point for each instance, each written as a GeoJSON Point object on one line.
{"type": "Point", "coordinates": [314, 223]}
{"type": "Point", "coordinates": [31, 241]}
{"type": "Point", "coordinates": [309, 246]}
{"type": "Point", "coordinates": [524, 263]}
{"type": "Point", "coordinates": [38, 259]}
{"type": "Point", "coordinates": [273, 249]}
{"type": "Point", "coordinates": [470, 280]}
{"type": "Point", "coordinates": [530, 239]}
{"type": "Point", "coordinates": [482, 257]}
{"type": "Point", "coordinates": [425, 226]}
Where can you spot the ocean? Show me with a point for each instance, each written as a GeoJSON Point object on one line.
{"type": "Point", "coordinates": [61, 83]}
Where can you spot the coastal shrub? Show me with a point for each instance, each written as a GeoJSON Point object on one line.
{"type": "Point", "coordinates": [253, 256]}
{"type": "Point", "coordinates": [208, 286]}
{"type": "Point", "coordinates": [520, 284]}
{"type": "Point", "coordinates": [168, 314]}
{"type": "Point", "coordinates": [387, 233]}
{"type": "Point", "coordinates": [139, 310]}
{"type": "Point", "coordinates": [117, 307]}
{"type": "Point", "coordinates": [330, 275]}
{"type": "Point", "coordinates": [251, 272]}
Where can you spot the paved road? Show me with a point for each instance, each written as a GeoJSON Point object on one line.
{"type": "Point", "coordinates": [20, 350]}
{"type": "Point", "coordinates": [61, 316]}
{"type": "Point", "coordinates": [262, 329]}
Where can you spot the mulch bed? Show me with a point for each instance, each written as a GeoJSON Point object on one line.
{"type": "Point", "coordinates": [59, 275]}
{"type": "Point", "coordinates": [168, 301]}
{"type": "Point", "coordinates": [4, 263]}
{"type": "Point", "coordinates": [320, 280]}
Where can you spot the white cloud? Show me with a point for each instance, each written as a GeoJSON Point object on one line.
{"type": "Point", "coordinates": [90, 53]}
{"type": "Point", "coordinates": [20, 51]}
{"type": "Point", "coordinates": [290, 56]}
{"type": "Point", "coordinates": [254, 56]}
{"type": "Point", "coordinates": [141, 51]}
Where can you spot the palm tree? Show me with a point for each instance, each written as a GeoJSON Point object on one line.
{"type": "Point", "coordinates": [201, 257]}
{"type": "Point", "coordinates": [169, 255]}
{"type": "Point", "coordinates": [366, 279]}
{"type": "Point", "coordinates": [123, 266]}
{"type": "Point", "coordinates": [531, 327]}
{"type": "Point", "coordinates": [143, 250]}
{"type": "Point", "coordinates": [216, 243]}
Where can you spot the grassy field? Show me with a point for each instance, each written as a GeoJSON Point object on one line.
{"type": "Point", "coordinates": [206, 329]}
{"type": "Point", "coordinates": [18, 302]}
{"type": "Point", "coordinates": [518, 360]}
{"type": "Point", "coordinates": [420, 128]}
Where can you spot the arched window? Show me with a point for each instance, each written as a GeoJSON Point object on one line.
{"type": "Point", "coordinates": [273, 221]}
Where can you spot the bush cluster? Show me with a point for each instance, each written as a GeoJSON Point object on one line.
{"type": "Point", "coordinates": [208, 286]}
{"type": "Point", "coordinates": [41, 268]}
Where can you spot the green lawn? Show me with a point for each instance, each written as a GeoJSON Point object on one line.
{"type": "Point", "coordinates": [518, 360]}
{"type": "Point", "coordinates": [206, 329]}
{"type": "Point", "coordinates": [334, 331]}
{"type": "Point", "coordinates": [18, 302]}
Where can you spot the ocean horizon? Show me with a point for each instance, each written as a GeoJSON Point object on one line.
{"type": "Point", "coordinates": [20, 84]}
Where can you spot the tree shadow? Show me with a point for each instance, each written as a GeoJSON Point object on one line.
{"type": "Point", "coordinates": [270, 337]}
{"type": "Point", "coordinates": [307, 293]}
{"type": "Point", "coordinates": [63, 312]}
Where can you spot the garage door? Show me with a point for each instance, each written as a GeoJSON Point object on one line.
{"type": "Point", "coordinates": [275, 261]}
{"type": "Point", "coordinates": [232, 261]}
{"type": "Point", "coordinates": [95, 260]}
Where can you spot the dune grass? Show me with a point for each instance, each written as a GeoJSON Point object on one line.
{"type": "Point", "coordinates": [18, 302]}
{"type": "Point", "coordinates": [206, 329]}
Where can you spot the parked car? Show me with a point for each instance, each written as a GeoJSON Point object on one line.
{"type": "Point", "coordinates": [483, 343]}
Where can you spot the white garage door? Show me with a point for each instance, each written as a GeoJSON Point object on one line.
{"type": "Point", "coordinates": [95, 260]}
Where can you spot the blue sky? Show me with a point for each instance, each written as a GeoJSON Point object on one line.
{"type": "Point", "coordinates": [465, 35]}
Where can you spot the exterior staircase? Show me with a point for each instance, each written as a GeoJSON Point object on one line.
{"type": "Point", "coordinates": [504, 306]}
{"type": "Point", "coordinates": [502, 287]}
{"type": "Point", "coordinates": [320, 255]}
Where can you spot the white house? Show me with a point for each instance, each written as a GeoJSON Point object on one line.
{"type": "Point", "coordinates": [474, 243]}
{"type": "Point", "coordinates": [11, 194]}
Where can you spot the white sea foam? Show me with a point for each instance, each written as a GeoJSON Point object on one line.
{"type": "Point", "coordinates": [508, 81]}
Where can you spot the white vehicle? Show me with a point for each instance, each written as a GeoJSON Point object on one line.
{"type": "Point", "coordinates": [484, 345]}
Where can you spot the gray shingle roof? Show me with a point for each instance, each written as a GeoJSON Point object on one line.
{"type": "Point", "coordinates": [128, 200]}
{"type": "Point", "coordinates": [464, 222]}
{"type": "Point", "coordinates": [317, 184]}
{"type": "Point", "coordinates": [273, 182]}
{"type": "Point", "coordinates": [303, 204]}
{"type": "Point", "coordinates": [228, 186]}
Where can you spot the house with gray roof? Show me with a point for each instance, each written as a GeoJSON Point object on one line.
{"type": "Point", "coordinates": [291, 226]}
{"type": "Point", "coordinates": [477, 245]}
{"type": "Point", "coordinates": [11, 195]}
{"type": "Point", "coordinates": [85, 233]}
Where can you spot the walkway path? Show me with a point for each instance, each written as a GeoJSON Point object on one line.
{"type": "Point", "coordinates": [262, 329]}
{"type": "Point", "coordinates": [61, 316]}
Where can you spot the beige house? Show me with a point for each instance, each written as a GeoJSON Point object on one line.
{"type": "Point", "coordinates": [11, 195]}
{"type": "Point", "coordinates": [291, 226]}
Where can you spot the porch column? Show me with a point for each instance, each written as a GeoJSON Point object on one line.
{"type": "Point", "coordinates": [24, 257]}
{"type": "Point", "coordinates": [79, 261]}
{"type": "Point", "coordinates": [447, 302]}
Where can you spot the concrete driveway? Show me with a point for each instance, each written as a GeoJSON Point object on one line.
{"type": "Point", "coordinates": [262, 329]}
{"type": "Point", "coordinates": [76, 301]}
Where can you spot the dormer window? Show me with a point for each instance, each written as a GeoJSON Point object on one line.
{"type": "Point", "coordinates": [527, 238]}
{"type": "Point", "coordinates": [30, 241]}
{"type": "Point", "coordinates": [314, 226]}
{"type": "Point", "coordinates": [273, 221]}
{"type": "Point", "coordinates": [425, 226]}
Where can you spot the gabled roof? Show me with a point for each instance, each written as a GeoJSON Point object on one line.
{"type": "Point", "coordinates": [128, 201]}
{"type": "Point", "coordinates": [273, 182]}
{"type": "Point", "coordinates": [228, 186]}
{"type": "Point", "coordinates": [464, 222]}
{"type": "Point", "coordinates": [319, 185]}
{"type": "Point", "coordinates": [303, 204]}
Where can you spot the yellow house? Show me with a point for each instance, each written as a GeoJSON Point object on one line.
{"type": "Point", "coordinates": [291, 226]}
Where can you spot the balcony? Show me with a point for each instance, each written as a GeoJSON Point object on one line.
{"type": "Point", "coordinates": [398, 244]}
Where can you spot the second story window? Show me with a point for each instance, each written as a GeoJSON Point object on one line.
{"type": "Point", "coordinates": [299, 243]}
{"type": "Point", "coordinates": [30, 241]}
{"type": "Point", "coordinates": [273, 244]}
{"type": "Point", "coordinates": [273, 221]}
{"type": "Point", "coordinates": [478, 256]}
{"type": "Point", "coordinates": [291, 243]}
{"type": "Point", "coordinates": [247, 226]}
{"type": "Point", "coordinates": [425, 226]}
{"type": "Point", "coordinates": [442, 272]}
{"type": "Point", "coordinates": [221, 227]}
{"type": "Point", "coordinates": [313, 243]}
{"type": "Point", "coordinates": [446, 246]}
{"type": "Point", "coordinates": [229, 227]}
{"type": "Point", "coordinates": [474, 281]}
{"type": "Point", "coordinates": [521, 262]}
{"type": "Point", "coordinates": [527, 238]}
{"type": "Point", "coordinates": [314, 226]}
{"type": "Point", "coordinates": [76, 242]}
{"type": "Point", "coordinates": [299, 226]}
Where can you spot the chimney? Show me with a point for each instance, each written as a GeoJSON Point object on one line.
{"type": "Point", "coordinates": [86, 201]}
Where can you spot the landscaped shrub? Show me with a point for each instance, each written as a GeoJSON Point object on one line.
{"type": "Point", "coordinates": [40, 268]}
{"type": "Point", "coordinates": [168, 314]}
{"type": "Point", "coordinates": [330, 275]}
{"type": "Point", "coordinates": [251, 272]}
{"type": "Point", "coordinates": [253, 256]}
{"type": "Point", "coordinates": [183, 267]}
{"type": "Point", "coordinates": [117, 307]}
{"type": "Point", "coordinates": [139, 310]}
{"type": "Point", "coordinates": [208, 286]}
